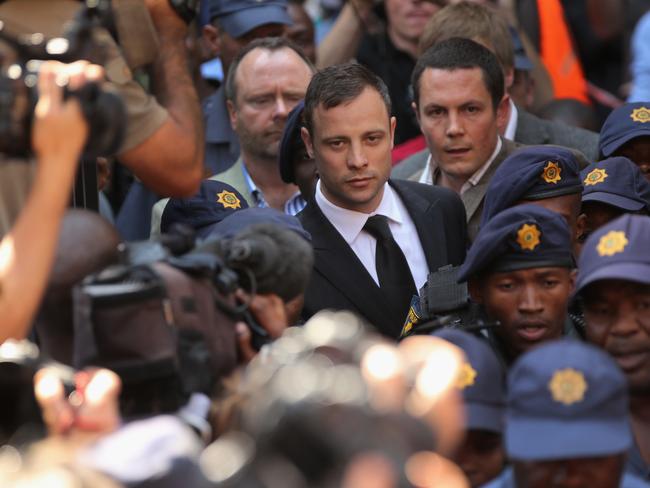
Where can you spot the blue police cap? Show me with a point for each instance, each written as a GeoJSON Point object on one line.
{"type": "Point", "coordinates": [214, 202]}
{"type": "Point", "coordinates": [232, 225]}
{"type": "Point", "coordinates": [287, 145]}
{"type": "Point", "coordinates": [624, 123]}
{"type": "Point", "coordinates": [237, 17]}
{"type": "Point", "coordinates": [520, 237]}
{"type": "Point", "coordinates": [482, 381]}
{"type": "Point", "coordinates": [566, 399]}
{"type": "Point", "coordinates": [618, 182]}
{"type": "Point", "coordinates": [532, 173]}
{"type": "Point", "coordinates": [617, 250]}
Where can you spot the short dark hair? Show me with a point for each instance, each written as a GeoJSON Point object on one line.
{"type": "Point", "coordinates": [339, 84]}
{"type": "Point", "coordinates": [269, 44]}
{"type": "Point", "coordinates": [458, 53]}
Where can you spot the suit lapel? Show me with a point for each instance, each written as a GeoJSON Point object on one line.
{"type": "Point", "coordinates": [337, 262]}
{"type": "Point", "coordinates": [425, 215]}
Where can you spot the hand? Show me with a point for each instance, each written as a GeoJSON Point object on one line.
{"type": "Point", "coordinates": [92, 408]}
{"type": "Point", "coordinates": [269, 311]}
{"type": "Point", "coordinates": [60, 131]}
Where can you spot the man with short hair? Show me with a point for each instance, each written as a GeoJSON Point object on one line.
{"type": "Point", "coordinates": [460, 103]}
{"type": "Point", "coordinates": [520, 268]}
{"type": "Point", "coordinates": [266, 80]}
{"type": "Point", "coordinates": [614, 287]}
{"type": "Point", "coordinates": [375, 240]}
{"type": "Point", "coordinates": [488, 26]}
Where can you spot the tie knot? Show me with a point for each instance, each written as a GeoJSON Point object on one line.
{"type": "Point", "coordinates": [377, 226]}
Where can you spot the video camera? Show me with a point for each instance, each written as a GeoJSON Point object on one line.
{"type": "Point", "coordinates": [443, 302]}
{"type": "Point", "coordinates": [103, 110]}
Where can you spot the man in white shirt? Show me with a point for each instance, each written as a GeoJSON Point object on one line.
{"type": "Point", "coordinates": [375, 240]}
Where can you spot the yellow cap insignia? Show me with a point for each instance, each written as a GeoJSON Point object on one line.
{"type": "Point", "coordinates": [596, 176]}
{"type": "Point", "coordinates": [466, 376]}
{"type": "Point", "coordinates": [551, 173]}
{"type": "Point", "coordinates": [640, 114]}
{"type": "Point", "coordinates": [612, 243]}
{"type": "Point", "coordinates": [568, 386]}
{"type": "Point", "coordinates": [528, 236]}
{"type": "Point", "coordinates": [228, 199]}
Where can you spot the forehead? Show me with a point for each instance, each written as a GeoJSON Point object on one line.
{"type": "Point", "coordinates": [281, 66]}
{"type": "Point", "coordinates": [615, 288]}
{"type": "Point", "coordinates": [528, 274]}
{"type": "Point", "coordinates": [457, 86]}
{"type": "Point", "coordinates": [366, 112]}
{"type": "Point", "coordinates": [638, 144]}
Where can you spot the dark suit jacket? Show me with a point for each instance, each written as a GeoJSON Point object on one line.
{"type": "Point", "coordinates": [340, 281]}
{"type": "Point", "coordinates": [532, 130]}
{"type": "Point", "coordinates": [412, 168]}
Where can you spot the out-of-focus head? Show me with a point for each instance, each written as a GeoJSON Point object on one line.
{"type": "Point", "coordinates": [87, 244]}
{"type": "Point", "coordinates": [301, 31]}
{"type": "Point", "coordinates": [234, 24]}
{"type": "Point", "coordinates": [266, 80]}
{"type": "Point", "coordinates": [567, 417]}
{"type": "Point", "coordinates": [626, 132]}
{"type": "Point", "coordinates": [482, 384]}
{"type": "Point", "coordinates": [349, 132]}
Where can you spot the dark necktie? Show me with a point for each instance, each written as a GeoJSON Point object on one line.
{"type": "Point", "coordinates": [395, 278]}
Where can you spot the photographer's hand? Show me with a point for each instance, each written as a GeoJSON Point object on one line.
{"type": "Point", "coordinates": [27, 251]}
{"type": "Point", "coordinates": [269, 311]}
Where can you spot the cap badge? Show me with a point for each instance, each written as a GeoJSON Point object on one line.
{"type": "Point", "coordinates": [466, 376]}
{"type": "Point", "coordinates": [612, 243]}
{"type": "Point", "coordinates": [228, 199]}
{"type": "Point", "coordinates": [568, 386]}
{"type": "Point", "coordinates": [596, 176]}
{"type": "Point", "coordinates": [528, 236]}
{"type": "Point", "coordinates": [551, 173]}
{"type": "Point", "coordinates": [640, 114]}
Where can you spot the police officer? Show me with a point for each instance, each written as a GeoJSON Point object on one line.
{"type": "Point", "coordinates": [520, 269]}
{"type": "Point", "coordinates": [482, 384]}
{"type": "Point", "coordinates": [548, 176]}
{"type": "Point", "coordinates": [214, 202]}
{"type": "Point", "coordinates": [612, 187]}
{"type": "Point", "coordinates": [566, 420]}
{"type": "Point", "coordinates": [626, 132]}
{"type": "Point", "coordinates": [614, 285]}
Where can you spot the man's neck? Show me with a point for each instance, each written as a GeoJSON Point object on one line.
{"type": "Point", "coordinates": [407, 45]}
{"type": "Point", "coordinates": [448, 181]}
{"type": "Point", "coordinates": [266, 176]}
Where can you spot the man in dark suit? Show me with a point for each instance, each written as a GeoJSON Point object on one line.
{"type": "Point", "coordinates": [375, 240]}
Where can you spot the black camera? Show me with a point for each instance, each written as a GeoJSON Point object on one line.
{"type": "Point", "coordinates": [103, 110]}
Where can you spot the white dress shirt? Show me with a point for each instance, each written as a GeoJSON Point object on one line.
{"type": "Point", "coordinates": [511, 128]}
{"type": "Point", "coordinates": [349, 224]}
{"type": "Point", "coordinates": [431, 166]}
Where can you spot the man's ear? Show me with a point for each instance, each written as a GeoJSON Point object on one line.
{"type": "Point", "coordinates": [232, 114]}
{"type": "Point", "coordinates": [509, 78]}
{"type": "Point", "coordinates": [306, 138]}
{"type": "Point", "coordinates": [211, 40]}
{"type": "Point", "coordinates": [572, 280]}
{"type": "Point", "coordinates": [475, 290]}
{"type": "Point", "coordinates": [503, 113]}
{"type": "Point", "coordinates": [393, 124]}
{"type": "Point", "coordinates": [417, 112]}
{"type": "Point", "coordinates": [581, 227]}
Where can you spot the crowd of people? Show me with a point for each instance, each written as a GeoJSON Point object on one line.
{"type": "Point", "coordinates": [332, 244]}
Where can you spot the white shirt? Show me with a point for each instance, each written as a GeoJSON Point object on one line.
{"type": "Point", "coordinates": [349, 224]}
{"type": "Point", "coordinates": [511, 128]}
{"type": "Point", "coordinates": [431, 166]}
